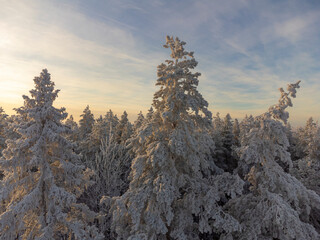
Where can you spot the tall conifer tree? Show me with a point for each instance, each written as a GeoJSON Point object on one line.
{"type": "Point", "coordinates": [169, 196]}
{"type": "Point", "coordinates": [41, 183]}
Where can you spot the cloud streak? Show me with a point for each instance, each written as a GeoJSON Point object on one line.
{"type": "Point", "coordinates": [105, 53]}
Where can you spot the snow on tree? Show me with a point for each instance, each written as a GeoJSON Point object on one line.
{"type": "Point", "coordinates": [123, 129]}
{"type": "Point", "coordinates": [227, 133]}
{"type": "Point", "coordinates": [74, 129]}
{"type": "Point", "coordinates": [309, 139]}
{"type": "Point", "coordinates": [112, 168]}
{"type": "Point", "coordinates": [236, 132]}
{"type": "Point", "coordinates": [217, 122]}
{"type": "Point", "coordinates": [246, 125]}
{"type": "Point", "coordinates": [307, 169]}
{"type": "Point", "coordinates": [86, 123]}
{"type": "Point", "coordinates": [112, 121]}
{"type": "Point", "coordinates": [278, 205]}
{"type": "Point", "coordinates": [139, 122]}
{"type": "Point", "coordinates": [3, 131]}
{"type": "Point", "coordinates": [228, 141]}
{"type": "Point", "coordinates": [3, 126]}
{"type": "Point", "coordinates": [222, 134]}
{"type": "Point", "coordinates": [169, 196]}
{"type": "Point", "coordinates": [98, 133]}
{"type": "Point", "coordinates": [41, 183]}
{"type": "Point", "coordinates": [12, 121]}
{"type": "Point", "coordinates": [292, 142]}
{"type": "Point", "coordinates": [216, 133]}
{"type": "Point", "coordinates": [149, 114]}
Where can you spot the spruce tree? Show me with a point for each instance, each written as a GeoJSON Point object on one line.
{"type": "Point", "coordinates": [278, 205]}
{"type": "Point", "coordinates": [227, 133]}
{"type": "Point", "coordinates": [86, 124]}
{"type": "Point", "coordinates": [169, 196]}
{"type": "Point", "coordinates": [98, 134]}
{"type": "Point", "coordinates": [74, 129]}
{"type": "Point", "coordinates": [41, 184]}
{"type": "Point", "coordinates": [307, 168]}
{"type": "Point", "coordinates": [112, 122]}
{"type": "Point", "coordinates": [123, 129]}
{"type": "Point", "coordinates": [236, 132]}
{"type": "Point", "coordinates": [139, 122]}
{"type": "Point", "coordinates": [149, 114]}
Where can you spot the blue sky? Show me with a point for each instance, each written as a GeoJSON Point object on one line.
{"type": "Point", "coordinates": [105, 53]}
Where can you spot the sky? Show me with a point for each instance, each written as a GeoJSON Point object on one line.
{"type": "Point", "coordinates": [105, 53]}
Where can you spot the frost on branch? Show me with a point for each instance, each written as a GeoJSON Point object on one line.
{"type": "Point", "coordinates": [278, 205]}
{"type": "Point", "coordinates": [169, 196]}
{"type": "Point", "coordinates": [278, 111]}
{"type": "Point", "coordinates": [41, 183]}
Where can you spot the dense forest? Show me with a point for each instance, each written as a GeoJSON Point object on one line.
{"type": "Point", "coordinates": [177, 172]}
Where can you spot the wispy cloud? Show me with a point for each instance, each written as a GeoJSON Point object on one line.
{"type": "Point", "coordinates": [105, 53]}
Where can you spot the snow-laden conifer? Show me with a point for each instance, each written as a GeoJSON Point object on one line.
{"type": "Point", "coordinates": [112, 121]}
{"type": "Point", "coordinates": [41, 183]}
{"type": "Point", "coordinates": [307, 168]}
{"type": "Point", "coordinates": [236, 132]}
{"type": "Point", "coordinates": [149, 114]}
{"type": "Point", "coordinates": [86, 123]}
{"type": "Point", "coordinates": [74, 130]}
{"type": "Point", "coordinates": [169, 196]}
{"type": "Point", "coordinates": [227, 133]}
{"type": "Point", "coordinates": [111, 167]}
{"type": "Point", "coordinates": [3, 126]}
{"type": "Point", "coordinates": [278, 205]}
{"type": "Point", "coordinates": [123, 129]}
{"type": "Point", "coordinates": [139, 122]}
{"type": "Point", "coordinates": [91, 146]}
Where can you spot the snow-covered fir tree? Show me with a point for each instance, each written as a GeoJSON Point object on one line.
{"type": "Point", "coordinates": [307, 168]}
{"type": "Point", "coordinates": [169, 196]}
{"type": "Point", "coordinates": [74, 129]}
{"type": "Point", "coordinates": [41, 183]}
{"type": "Point", "coordinates": [139, 122]}
{"type": "Point", "coordinates": [216, 134]}
{"type": "Point", "coordinates": [3, 126]}
{"type": "Point", "coordinates": [309, 139]}
{"type": "Point", "coordinates": [99, 133]}
{"type": "Point", "coordinates": [227, 133]}
{"type": "Point", "coordinates": [149, 114]}
{"type": "Point", "coordinates": [278, 206]}
{"type": "Point", "coordinates": [86, 123]}
{"type": "Point", "coordinates": [236, 132]}
{"type": "Point", "coordinates": [222, 134]}
{"type": "Point", "coordinates": [246, 125]}
{"type": "Point", "coordinates": [228, 142]}
{"type": "Point", "coordinates": [217, 122]}
{"type": "Point", "coordinates": [112, 122]}
{"type": "Point", "coordinates": [112, 168]}
{"type": "Point", "coordinates": [124, 129]}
